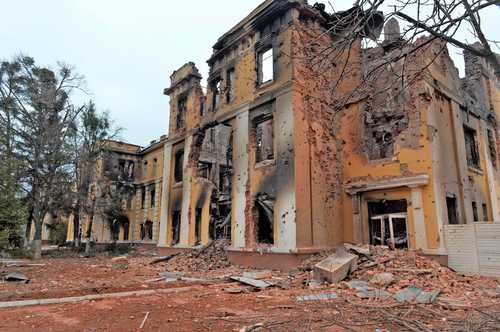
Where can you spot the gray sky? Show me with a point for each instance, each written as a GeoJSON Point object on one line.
{"type": "Point", "coordinates": [126, 49]}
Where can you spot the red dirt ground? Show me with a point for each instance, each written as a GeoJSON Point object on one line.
{"type": "Point", "coordinates": [229, 306]}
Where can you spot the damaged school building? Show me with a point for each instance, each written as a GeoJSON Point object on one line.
{"type": "Point", "coordinates": [268, 160]}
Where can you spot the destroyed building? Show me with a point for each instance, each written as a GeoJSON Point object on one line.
{"type": "Point", "coordinates": [267, 159]}
{"type": "Point", "coordinates": [133, 175]}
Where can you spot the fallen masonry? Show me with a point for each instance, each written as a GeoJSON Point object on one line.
{"type": "Point", "coordinates": [387, 289]}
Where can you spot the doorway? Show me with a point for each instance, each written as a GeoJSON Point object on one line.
{"type": "Point", "coordinates": [388, 223]}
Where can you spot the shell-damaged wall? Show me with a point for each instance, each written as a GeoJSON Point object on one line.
{"type": "Point", "coordinates": [323, 76]}
{"type": "Point", "coordinates": [406, 141]}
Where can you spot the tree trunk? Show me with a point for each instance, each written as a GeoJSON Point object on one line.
{"type": "Point", "coordinates": [88, 244]}
{"type": "Point", "coordinates": [27, 230]}
{"type": "Point", "coordinates": [38, 217]}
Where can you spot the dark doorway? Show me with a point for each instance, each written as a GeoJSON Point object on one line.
{"type": "Point", "coordinates": [451, 205]}
{"type": "Point", "coordinates": [176, 227]}
{"type": "Point", "coordinates": [388, 223]}
{"type": "Point", "coordinates": [264, 213]}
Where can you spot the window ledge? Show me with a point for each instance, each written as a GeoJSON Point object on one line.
{"type": "Point", "coordinates": [265, 84]}
{"type": "Point", "coordinates": [177, 185]}
{"type": "Point", "coordinates": [265, 163]}
{"type": "Point", "coordinates": [476, 170]}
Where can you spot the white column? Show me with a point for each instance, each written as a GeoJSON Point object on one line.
{"type": "Point", "coordinates": [357, 225]}
{"type": "Point", "coordinates": [419, 219]}
{"type": "Point", "coordinates": [240, 178]}
{"type": "Point", "coordinates": [186, 194]}
{"type": "Point", "coordinates": [165, 196]}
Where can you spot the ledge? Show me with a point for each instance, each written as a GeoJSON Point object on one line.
{"type": "Point", "coordinates": [364, 186]}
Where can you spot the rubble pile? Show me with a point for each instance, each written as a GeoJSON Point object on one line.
{"type": "Point", "coordinates": [213, 257]}
{"type": "Point", "coordinates": [397, 270]}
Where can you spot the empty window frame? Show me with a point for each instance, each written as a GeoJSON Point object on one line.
{"type": "Point", "coordinates": [176, 227]}
{"type": "Point", "coordinates": [264, 139]}
{"type": "Point", "coordinates": [178, 167]}
{"type": "Point", "coordinates": [485, 212]}
{"type": "Point", "coordinates": [153, 197]}
{"type": "Point", "coordinates": [451, 204]}
{"type": "Point", "coordinates": [145, 169]}
{"type": "Point", "coordinates": [216, 91]}
{"type": "Point", "coordinates": [181, 113]}
{"type": "Point", "coordinates": [475, 212]}
{"type": "Point", "coordinates": [204, 170]}
{"type": "Point", "coordinates": [230, 88]}
{"type": "Point", "coordinates": [143, 198]}
{"type": "Point", "coordinates": [471, 147]}
{"type": "Point", "coordinates": [266, 65]}
{"type": "Point", "coordinates": [492, 147]}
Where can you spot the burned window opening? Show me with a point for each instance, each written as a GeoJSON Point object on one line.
{"type": "Point", "coordinates": [181, 113]}
{"type": "Point", "coordinates": [147, 231]}
{"type": "Point", "coordinates": [492, 148]}
{"type": "Point", "coordinates": [475, 212]}
{"type": "Point", "coordinates": [143, 198]}
{"type": "Point", "coordinates": [264, 136]}
{"type": "Point", "coordinates": [216, 92]}
{"type": "Point", "coordinates": [230, 85]}
{"type": "Point", "coordinates": [179, 166]}
{"type": "Point", "coordinates": [264, 212]}
{"type": "Point", "coordinates": [176, 227]}
{"type": "Point", "coordinates": [155, 166]}
{"type": "Point", "coordinates": [485, 212]}
{"type": "Point", "coordinates": [197, 226]}
{"type": "Point", "coordinates": [382, 131]}
{"type": "Point", "coordinates": [153, 196]}
{"type": "Point", "coordinates": [145, 169]}
{"type": "Point", "coordinates": [471, 148]}
{"type": "Point", "coordinates": [388, 223]}
{"type": "Point", "coordinates": [204, 170]}
{"type": "Point", "coordinates": [451, 205]}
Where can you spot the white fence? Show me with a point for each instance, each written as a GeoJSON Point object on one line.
{"type": "Point", "coordinates": [474, 248]}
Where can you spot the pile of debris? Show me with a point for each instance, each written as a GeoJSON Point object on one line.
{"type": "Point", "coordinates": [378, 273]}
{"type": "Point", "coordinates": [209, 258]}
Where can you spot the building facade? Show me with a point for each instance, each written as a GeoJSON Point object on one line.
{"type": "Point", "coordinates": [299, 146]}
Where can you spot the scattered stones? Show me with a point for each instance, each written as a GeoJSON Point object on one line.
{"type": "Point", "coordinates": [317, 297]}
{"type": "Point", "coordinates": [383, 279]}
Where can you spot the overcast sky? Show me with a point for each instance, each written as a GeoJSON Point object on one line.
{"type": "Point", "coordinates": [126, 49]}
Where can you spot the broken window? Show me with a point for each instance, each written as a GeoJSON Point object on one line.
{"type": "Point", "coordinates": [492, 147]}
{"type": "Point", "coordinates": [388, 223]}
{"type": "Point", "coordinates": [143, 198]}
{"type": "Point", "coordinates": [230, 77]}
{"type": "Point", "coordinates": [202, 106]}
{"type": "Point", "coordinates": [176, 227]}
{"type": "Point", "coordinates": [225, 179]}
{"type": "Point", "coordinates": [475, 212]}
{"type": "Point", "coordinates": [153, 197]}
{"type": "Point", "coordinates": [451, 205]}
{"type": "Point", "coordinates": [181, 113]}
{"type": "Point", "coordinates": [178, 168]}
{"type": "Point", "coordinates": [204, 170]}
{"type": "Point", "coordinates": [471, 148]}
{"type": "Point", "coordinates": [216, 90]}
{"type": "Point", "coordinates": [266, 66]}
{"type": "Point", "coordinates": [264, 140]}
{"type": "Point", "coordinates": [147, 231]}
{"type": "Point", "coordinates": [485, 212]}
{"type": "Point", "coordinates": [197, 227]}
{"type": "Point", "coordinates": [264, 205]}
